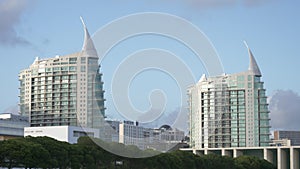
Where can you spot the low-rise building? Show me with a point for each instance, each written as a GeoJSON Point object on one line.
{"type": "Point", "coordinates": [294, 136]}
{"type": "Point", "coordinates": [281, 142]}
{"type": "Point", "coordinates": [68, 134]}
{"type": "Point", "coordinates": [12, 125]}
{"type": "Point", "coordinates": [131, 133]}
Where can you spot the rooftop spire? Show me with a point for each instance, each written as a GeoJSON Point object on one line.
{"type": "Point", "coordinates": [88, 45]}
{"type": "Point", "coordinates": [253, 67]}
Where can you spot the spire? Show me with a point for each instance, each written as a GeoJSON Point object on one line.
{"type": "Point", "coordinates": [253, 67]}
{"type": "Point", "coordinates": [203, 78]}
{"type": "Point", "coordinates": [88, 45]}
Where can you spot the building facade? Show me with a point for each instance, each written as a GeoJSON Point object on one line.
{"type": "Point", "coordinates": [64, 90]}
{"type": "Point", "coordinates": [131, 133]}
{"type": "Point", "coordinates": [12, 125]}
{"type": "Point", "coordinates": [68, 134]}
{"type": "Point", "coordinates": [229, 110]}
{"type": "Point", "coordinates": [293, 136]}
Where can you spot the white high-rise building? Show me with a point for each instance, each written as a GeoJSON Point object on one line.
{"type": "Point", "coordinates": [229, 110]}
{"type": "Point", "coordinates": [64, 90]}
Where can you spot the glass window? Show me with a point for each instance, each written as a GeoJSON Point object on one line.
{"type": "Point", "coordinates": [55, 69]}
{"type": "Point", "coordinates": [64, 77]}
{"type": "Point", "coordinates": [240, 78]}
{"type": "Point", "coordinates": [72, 68]}
{"type": "Point", "coordinates": [72, 60]}
{"type": "Point", "coordinates": [93, 61]}
{"type": "Point", "coordinates": [82, 69]}
{"type": "Point", "coordinates": [241, 85]}
{"type": "Point", "coordinates": [83, 60]}
{"type": "Point", "coordinates": [249, 78]}
{"type": "Point", "coordinates": [256, 79]}
{"type": "Point", "coordinates": [249, 85]}
{"type": "Point", "coordinates": [73, 77]}
{"type": "Point", "coordinates": [48, 69]}
{"type": "Point", "coordinates": [65, 68]}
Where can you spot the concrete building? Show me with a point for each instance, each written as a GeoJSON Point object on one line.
{"type": "Point", "coordinates": [64, 90]}
{"type": "Point", "coordinates": [68, 134]}
{"type": "Point", "coordinates": [12, 125]}
{"type": "Point", "coordinates": [284, 157]}
{"type": "Point", "coordinates": [293, 136]}
{"type": "Point", "coordinates": [131, 133]}
{"type": "Point", "coordinates": [281, 142]}
{"type": "Point", "coordinates": [229, 110]}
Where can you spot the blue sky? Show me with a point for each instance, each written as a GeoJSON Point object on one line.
{"type": "Point", "coordinates": [47, 28]}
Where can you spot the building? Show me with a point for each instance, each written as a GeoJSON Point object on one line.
{"type": "Point", "coordinates": [281, 142]}
{"type": "Point", "coordinates": [131, 133]}
{"type": "Point", "coordinates": [12, 125]}
{"type": "Point", "coordinates": [283, 157]}
{"type": "Point", "coordinates": [229, 110]}
{"type": "Point", "coordinates": [64, 90]}
{"type": "Point", "coordinates": [68, 134]}
{"type": "Point", "coordinates": [293, 136]}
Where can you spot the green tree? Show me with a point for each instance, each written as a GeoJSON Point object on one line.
{"type": "Point", "coordinates": [12, 152]}
{"type": "Point", "coordinates": [58, 150]}
{"type": "Point", "coordinates": [76, 154]}
{"type": "Point", "coordinates": [249, 162]}
{"type": "Point", "coordinates": [216, 161]}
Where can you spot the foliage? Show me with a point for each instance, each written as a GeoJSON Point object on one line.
{"type": "Point", "coordinates": [249, 162]}
{"type": "Point", "coordinates": [45, 152]}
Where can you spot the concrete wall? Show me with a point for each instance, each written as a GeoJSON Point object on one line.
{"type": "Point", "coordinates": [60, 133]}
{"type": "Point", "coordinates": [285, 157]}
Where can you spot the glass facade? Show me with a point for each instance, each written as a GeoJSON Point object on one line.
{"type": "Point", "coordinates": [229, 111]}
{"type": "Point", "coordinates": [54, 93]}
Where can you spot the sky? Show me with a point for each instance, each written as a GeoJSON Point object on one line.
{"type": "Point", "coordinates": [47, 28]}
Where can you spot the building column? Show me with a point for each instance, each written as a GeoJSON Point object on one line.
{"type": "Point", "coordinates": [237, 153]}
{"type": "Point", "coordinates": [226, 153]}
{"type": "Point", "coordinates": [281, 158]}
{"type": "Point", "coordinates": [205, 151]}
{"type": "Point", "coordinates": [268, 155]}
{"type": "Point", "coordinates": [278, 158]}
{"type": "Point", "coordinates": [194, 151]}
{"type": "Point", "coordinates": [294, 158]}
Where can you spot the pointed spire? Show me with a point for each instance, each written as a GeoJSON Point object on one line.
{"type": "Point", "coordinates": [88, 45]}
{"type": "Point", "coordinates": [202, 78]}
{"type": "Point", "coordinates": [253, 67]}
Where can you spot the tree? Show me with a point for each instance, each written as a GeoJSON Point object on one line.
{"type": "Point", "coordinates": [217, 161]}
{"type": "Point", "coordinates": [249, 162]}
{"type": "Point", "coordinates": [58, 150]}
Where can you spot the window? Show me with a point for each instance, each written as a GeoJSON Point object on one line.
{"type": "Point", "coordinates": [65, 68]}
{"type": "Point", "coordinates": [240, 78]}
{"type": "Point", "coordinates": [81, 133]}
{"type": "Point", "coordinates": [72, 68]}
{"type": "Point", "coordinates": [82, 69]}
{"type": "Point", "coordinates": [72, 60]}
{"type": "Point", "coordinates": [83, 60]}
{"type": "Point", "coordinates": [56, 69]}
{"type": "Point", "coordinates": [249, 78]}
{"type": "Point", "coordinates": [93, 61]}
{"type": "Point", "coordinates": [48, 69]}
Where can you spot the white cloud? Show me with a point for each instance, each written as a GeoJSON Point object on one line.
{"type": "Point", "coordinates": [285, 110]}
{"type": "Point", "coordinates": [10, 16]}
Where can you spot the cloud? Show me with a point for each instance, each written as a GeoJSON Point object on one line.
{"type": "Point", "coordinates": [172, 118]}
{"type": "Point", "coordinates": [285, 110]}
{"type": "Point", "coordinates": [10, 16]}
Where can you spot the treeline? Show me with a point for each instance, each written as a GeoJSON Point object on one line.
{"type": "Point", "coordinates": [45, 152]}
